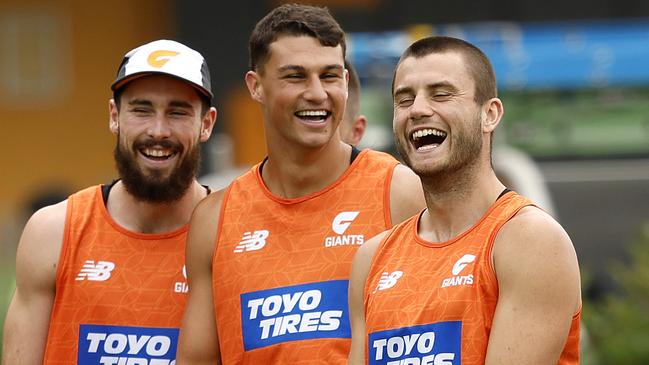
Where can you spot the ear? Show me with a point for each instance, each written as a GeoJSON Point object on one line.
{"type": "Point", "coordinates": [254, 86]}
{"type": "Point", "coordinates": [207, 124]}
{"type": "Point", "coordinates": [358, 129]}
{"type": "Point", "coordinates": [113, 117]}
{"type": "Point", "coordinates": [493, 112]}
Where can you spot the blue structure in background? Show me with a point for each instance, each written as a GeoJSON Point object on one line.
{"type": "Point", "coordinates": [530, 55]}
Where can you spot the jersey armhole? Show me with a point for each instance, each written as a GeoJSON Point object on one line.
{"type": "Point", "coordinates": [490, 244]}
{"type": "Point", "coordinates": [387, 196]}
{"type": "Point", "coordinates": [64, 251]}
{"type": "Point", "coordinates": [219, 224]}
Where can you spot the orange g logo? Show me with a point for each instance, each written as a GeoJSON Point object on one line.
{"type": "Point", "coordinates": [158, 59]}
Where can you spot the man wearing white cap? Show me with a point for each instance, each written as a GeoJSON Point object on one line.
{"type": "Point", "coordinates": [100, 276]}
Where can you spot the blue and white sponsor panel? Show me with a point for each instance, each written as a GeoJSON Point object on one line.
{"type": "Point", "coordinates": [292, 313]}
{"type": "Point", "coordinates": [428, 344]}
{"type": "Point", "coordinates": [121, 345]}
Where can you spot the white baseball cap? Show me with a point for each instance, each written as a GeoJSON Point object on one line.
{"type": "Point", "coordinates": [165, 57]}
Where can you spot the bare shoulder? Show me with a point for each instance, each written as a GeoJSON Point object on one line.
{"type": "Point", "coordinates": [208, 210]}
{"type": "Point", "coordinates": [406, 194]}
{"type": "Point", "coordinates": [203, 226]}
{"type": "Point", "coordinates": [533, 251]}
{"type": "Point", "coordinates": [533, 229]}
{"type": "Point", "coordinates": [40, 244]}
{"type": "Point", "coordinates": [365, 253]}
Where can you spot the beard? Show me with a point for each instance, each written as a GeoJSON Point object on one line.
{"type": "Point", "coordinates": [155, 187]}
{"type": "Point", "coordinates": [467, 145]}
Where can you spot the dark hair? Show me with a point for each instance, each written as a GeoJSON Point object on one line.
{"type": "Point", "coordinates": [354, 92]}
{"type": "Point", "coordinates": [205, 101]}
{"type": "Point", "coordinates": [476, 62]}
{"type": "Point", "coordinates": [295, 20]}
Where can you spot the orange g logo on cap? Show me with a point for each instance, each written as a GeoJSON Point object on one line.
{"type": "Point", "coordinates": [158, 59]}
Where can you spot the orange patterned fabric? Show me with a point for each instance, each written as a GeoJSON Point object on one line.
{"type": "Point", "coordinates": [119, 295]}
{"type": "Point", "coordinates": [281, 266]}
{"type": "Point", "coordinates": [433, 303]}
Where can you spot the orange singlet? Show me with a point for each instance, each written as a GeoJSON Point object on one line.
{"type": "Point", "coordinates": [433, 303]}
{"type": "Point", "coordinates": [281, 266]}
{"type": "Point", "coordinates": [119, 295]}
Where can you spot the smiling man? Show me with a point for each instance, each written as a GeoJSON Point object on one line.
{"type": "Point", "coordinates": [100, 276]}
{"type": "Point", "coordinates": [482, 276]}
{"type": "Point", "coordinates": [269, 258]}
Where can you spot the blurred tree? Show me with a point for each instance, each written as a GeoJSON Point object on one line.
{"type": "Point", "coordinates": [619, 322]}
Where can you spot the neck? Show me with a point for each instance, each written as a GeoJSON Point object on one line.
{"type": "Point", "coordinates": [456, 203]}
{"type": "Point", "coordinates": [144, 217]}
{"type": "Point", "coordinates": [292, 173]}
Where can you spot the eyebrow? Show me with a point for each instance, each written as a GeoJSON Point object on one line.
{"type": "Point", "coordinates": [180, 104]}
{"type": "Point", "coordinates": [441, 84]}
{"type": "Point", "coordinates": [140, 102]}
{"type": "Point", "coordinates": [173, 103]}
{"type": "Point", "coordinates": [302, 69]}
{"type": "Point", "coordinates": [437, 85]}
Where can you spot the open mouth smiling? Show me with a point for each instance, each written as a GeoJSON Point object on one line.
{"type": "Point", "coordinates": [313, 115]}
{"type": "Point", "coordinates": [429, 137]}
{"type": "Point", "coordinates": [157, 154]}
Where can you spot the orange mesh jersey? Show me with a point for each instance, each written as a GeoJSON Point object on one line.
{"type": "Point", "coordinates": [281, 266]}
{"type": "Point", "coordinates": [119, 295]}
{"type": "Point", "coordinates": [433, 303]}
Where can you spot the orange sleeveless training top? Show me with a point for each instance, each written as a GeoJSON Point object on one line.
{"type": "Point", "coordinates": [119, 295]}
{"type": "Point", "coordinates": [281, 266]}
{"type": "Point", "coordinates": [433, 303]}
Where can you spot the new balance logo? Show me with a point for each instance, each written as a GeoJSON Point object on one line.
{"type": "Point", "coordinates": [388, 280]}
{"type": "Point", "coordinates": [252, 241]}
{"type": "Point", "coordinates": [342, 221]}
{"type": "Point", "coordinates": [95, 272]}
{"type": "Point", "coordinates": [458, 267]}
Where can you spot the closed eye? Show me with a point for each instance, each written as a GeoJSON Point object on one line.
{"type": "Point", "coordinates": [293, 76]}
{"type": "Point", "coordinates": [442, 95]}
{"type": "Point", "coordinates": [330, 76]}
{"type": "Point", "coordinates": [140, 111]}
{"type": "Point", "coordinates": [404, 102]}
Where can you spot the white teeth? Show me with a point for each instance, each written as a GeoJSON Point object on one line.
{"type": "Point", "coordinates": [312, 113]}
{"type": "Point", "coordinates": [426, 132]}
{"type": "Point", "coordinates": [156, 153]}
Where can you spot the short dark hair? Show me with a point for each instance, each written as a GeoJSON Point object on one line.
{"type": "Point", "coordinates": [476, 61]}
{"type": "Point", "coordinates": [354, 92]}
{"type": "Point", "coordinates": [295, 20]}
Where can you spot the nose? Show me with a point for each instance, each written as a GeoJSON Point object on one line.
{"type": "Point", "coordinates": [421, 108]}
{"type": "Point", "coordinates": [159, 127]}
{"type": "Point", "coordinates": [315, 90]}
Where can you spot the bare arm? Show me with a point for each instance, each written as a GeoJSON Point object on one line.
{"type": "Point", "coordinates": [406, 194]}
{"type": "Point", "coordinates": [360, 270]}
{"type": "Point", "coordinates": [28, 317]}
{"type": "Point", "coordinates": [539, 290]}
{"type": "Point", "coordinates": [199, 342]}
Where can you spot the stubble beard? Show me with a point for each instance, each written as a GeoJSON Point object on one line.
{"type": "Point", "coordinates": [458, 169]}
{"type": "Point", "coordinates": [154, 187]}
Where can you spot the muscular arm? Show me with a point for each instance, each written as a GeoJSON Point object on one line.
{"type": "Point", "coordinates": [360, 270]}
{"type": "Point", "coordinates": [406, 194]}
{"type": "Point", "coordinates": [539, 290]}
{"type": "Point", "coordinates": [28, 317]}
{"type": "Point", "coordinates": [199, 343]}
